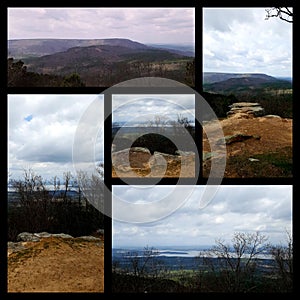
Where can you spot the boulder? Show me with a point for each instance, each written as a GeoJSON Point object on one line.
{"type": "Point", "coordinates": [140, 158]}
{"type": "Point", "coordinates": [135, 157]}
{"type": "Point", "coordinates": [245, 110]}
{"type": "Point", "coordinates": [27, 237]}
{"type": "Point", "coordinates": [36, 237]}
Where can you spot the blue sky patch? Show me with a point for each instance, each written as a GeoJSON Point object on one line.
{"type": "Point", "coordinates": [28, 118]}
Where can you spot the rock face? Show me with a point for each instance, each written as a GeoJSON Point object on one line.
{"type": "Point", "coordinates": [245, 110]}
{"type": "Point", "coordinates": [135, 157]}
{"type": "Point", "coordinates": [36, 237]}
{"type": "Point", "coordinates": [141, 159]}
{"type": "Point", "coordinates": [155, 143]}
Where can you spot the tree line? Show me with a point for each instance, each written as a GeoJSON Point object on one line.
{"type": "Point", "coordinates": [275, 102]}
{"type": "Point", "coordinates": [36, 208]}
{"type": "Point", "coordinates": [225, 267]}
{"type": "Point", "coordinates": [18, 76]}
{"type": "Point", "coordinates": [107, 75]}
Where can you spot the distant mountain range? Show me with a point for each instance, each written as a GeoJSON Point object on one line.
{"type": "Point", "coordinates": [24, 48]}
{"type": "Point", "coordinates": [241, 82]}
{"type": "Point", "coordinates": [188, 50]}
{"type": "Point", "coordinates": [101, 61]}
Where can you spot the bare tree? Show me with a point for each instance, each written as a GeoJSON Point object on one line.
{"type": "Point", "coordinates": [234, 264]}
{"type": "Point", "coordinates": [190, 73]}
{"type": "Point", "coordinates": [67, 177]}
{"type": "Point", "coordinates": [160, 123]}
{"type": "Point", "coordinates": [56, 186]}
{"type": "Point", "coordinates": [92, 188]}
{"type": "Point", "coordinates": [34, 199]}
{"type": "Point", "coordinates": [184, 124]}
{"type": "Point", "coordinates": [283, 257]}
{"type": "Point", "coordinates": [144, 264]}
{"type": "Point", "coordinates": [283, 13]}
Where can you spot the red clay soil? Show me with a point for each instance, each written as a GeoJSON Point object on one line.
{"type": "Point", "coordinates": [57, 265]}
{"type": "Point", "coordinates": [271, 145]}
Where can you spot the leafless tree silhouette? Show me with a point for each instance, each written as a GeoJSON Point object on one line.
{"type": "Point", "coordinates": [283, 13]}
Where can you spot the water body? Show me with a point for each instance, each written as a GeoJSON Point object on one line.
{"type": "Point", "coordinates": [177, 259]}
{"type": "Point", "coordinates": [72, 193]}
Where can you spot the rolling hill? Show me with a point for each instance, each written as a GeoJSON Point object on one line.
{"type": "Point", "coordinates": [99, 62]}
{"type": "Point", "coordinates": [235, 83]}
{"type": "Point", "coordinates": [24, 48]}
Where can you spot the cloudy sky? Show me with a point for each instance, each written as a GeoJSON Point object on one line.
{"type": "Point", "coordinates": [241, 40]}
{"type": "Point", "coordinates": [145, 25]}
{"type": "Point", "coordinates": [142, 108]}
{"type": "Point", "coordinates": [239, 208]}
{"type": "Point", "coordinates": [41, 132]}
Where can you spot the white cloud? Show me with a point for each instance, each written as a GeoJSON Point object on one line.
{"type": "Point", "coordinates": [241, 40]}
{"type": "Point", "coordinates": [162, 25]}
{"type": "Point", "coordinates": [233, 208]}
{"type": "Point", "coordinates": [143, 108]}
{"type": "Point", "coordinates": [44, 142]}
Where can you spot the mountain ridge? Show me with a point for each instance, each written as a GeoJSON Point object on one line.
{"type": "Point", "coordinates": [23, 48]}
{"type": "Point", "coordinates": [213, 77]}
{"type": "Point", "coordinates": [90, 56]}
{"type": "Point", "coordinates": [227, 83]}
{"type": "Point", "coordinates": [97, 62]}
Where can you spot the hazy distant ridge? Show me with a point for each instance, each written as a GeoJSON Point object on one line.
{"type": "Point", "coordinates": [23, 48]}
{"type": "Point", "coordinates": [213, 77]}
{"type": "Point", "coordinates": [233, 83]}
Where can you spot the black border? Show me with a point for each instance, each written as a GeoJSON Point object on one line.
{"type": "Point", "coordinates": [4, 91]}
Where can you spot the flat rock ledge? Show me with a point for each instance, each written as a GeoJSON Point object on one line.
{"type": "Point", "coordinates": [245, 110]}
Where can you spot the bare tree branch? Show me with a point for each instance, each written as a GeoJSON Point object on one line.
{"type": "Point", "coordinates": [283, 13]}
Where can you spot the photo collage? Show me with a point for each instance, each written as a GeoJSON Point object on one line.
{"type": "Point", "coordinates": [149, 150]}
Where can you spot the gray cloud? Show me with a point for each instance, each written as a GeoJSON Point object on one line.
{"type": "Point", "coordinates": [233, 208]}
{"type": "Point", "coordinates": [45, 141]}
{"type": "Point", "coordinates": [127, 108]}
{"type": "Point", "coordinates": [241, 40]}
{"type": "Point", "coordinates": [146, 25]}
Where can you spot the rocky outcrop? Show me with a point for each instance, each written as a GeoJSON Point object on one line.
{"type": "Point", "coordinates": [140, 158]}
{"type": "Point", "coordinates": [24, 238]}
{"type": "Point", "coordinates": [238, 137]}
{"type": "Point", "coordinates": [245, 110]}
{"type": "Point", "coordinates": [135, 157]}
{"type": "Point", "coordinates": [36, 237]}
{"type": "Point", "coordinates": [252, 146]}
{"type": "Point", "coordinates": [156, 143]}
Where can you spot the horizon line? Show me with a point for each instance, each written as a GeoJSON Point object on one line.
{"type": "Point", "coordinates": [106, 38]}
{"type": "Point", "coordinates": [259, 73]}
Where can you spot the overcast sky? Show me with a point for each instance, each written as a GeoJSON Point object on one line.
{"type": "Point", "coordinates": [143, 108]}
{"type": "Point", "coordinates": [145, 25]}
{"type": "Point", "coordinates": [41, 130]}
{"type": "Point", "coordinates": [241, 40]}
{"type": "Point", "coordinates": [239, 208]}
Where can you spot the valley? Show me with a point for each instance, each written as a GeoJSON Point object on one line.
{"type": "Point", "coordinates": [101, 62]}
